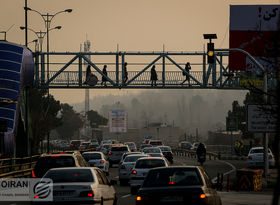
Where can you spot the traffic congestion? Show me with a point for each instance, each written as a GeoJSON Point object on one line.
{"type": "Point", "coordinates": [114, 172]}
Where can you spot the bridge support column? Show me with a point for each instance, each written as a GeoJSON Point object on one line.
{"type": "Point", "coordinates": [80, 71]}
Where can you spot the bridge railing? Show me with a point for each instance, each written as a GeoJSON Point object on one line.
{"type": "Point", "coordinates": [192, 154]}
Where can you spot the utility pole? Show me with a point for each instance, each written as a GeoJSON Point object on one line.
{"type": "Point", "coordinates": [25, 8]}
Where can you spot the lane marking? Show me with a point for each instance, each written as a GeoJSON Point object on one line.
{"type": "Point", "coordinates": [214, 180]}
{"type": "Point", "coordinates": [125, 196]}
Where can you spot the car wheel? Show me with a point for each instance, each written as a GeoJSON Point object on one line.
{"type": "Point", "coordinates": [122, 182]}
{"type": "Point", "coordinates": [110, 165]}
{"type": "Point", "coordinates": [107, 173]}
{"type": "Point", "coordinates": [133, 190]}
{"type": "Point", "coordinates": [101, 202]}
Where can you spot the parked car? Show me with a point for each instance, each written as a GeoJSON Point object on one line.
{"type": "Point", "coordinates": [127, 165]}
{"type": "Point", "coordinates": [256, 157]}
{"type": "Point", "coordinates": [177, 185]}
{"type": "Point", "coordinates": [116, 152]}
{"type": "Point", "coordinates": [155, 143]}
{"type": "Point", "coordinates": [132, 146]}
{"type": "Point", "coordinates": [167, 153]}
{"type": "Point", "coordinates": [75, 144]}
{"type": "Point", "coordinates": [81, 185]}
{"type": "Point", "coordinates": [48, 161]}
{"type": "Point", "coordinates": [144, 146]}
{"type": "Point", "coordinates": [153, 151]}
{"type": "Point", "coordinates": [97, 159]}
{"type": "Point", "coordinates": [141, 169]}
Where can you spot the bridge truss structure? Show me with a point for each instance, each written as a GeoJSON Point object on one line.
{"type": "Point", "coordinates": [67, 70]}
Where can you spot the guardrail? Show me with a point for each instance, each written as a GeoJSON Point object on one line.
{"type": "Point", "coordinates": [22, 167]}
{"type": "Point", "coordinates": [17, 167]}
{"type": "Point", "coordinates": [192, 154]}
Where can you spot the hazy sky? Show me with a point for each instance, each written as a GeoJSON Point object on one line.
{"type": "Point", "coordinates": [136, 25]}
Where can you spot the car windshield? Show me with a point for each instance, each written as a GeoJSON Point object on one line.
{"type": "Point", "coordinates": [89, 156]}
{"type": "Point", "coordinates": [165, 149]}
{"type": "Point", "coordinates": [149, 163]}
{"type": "Point", "coordinates": [55, 161]}
{"type": "Point", "coordinates": [70, 175]}
{"type": "Point", "coordinates": [173, 177]}
{"type": "Point", "coordinates": [133, 158]}
{"type": "Point", "coordinates": [151, 150]}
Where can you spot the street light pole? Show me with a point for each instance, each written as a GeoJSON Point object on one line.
{"type": "Point", "coordinates": [25, 8]}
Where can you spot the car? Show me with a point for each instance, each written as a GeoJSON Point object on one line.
{"type": "Point", "coordinates": [127, 165]}
{"type": "Point", "coordinates": [141, 169]}
{"type": "Point", "coordinates": [87, 185]}
{"type": "Point", "coordinates": [132, 146]}
{"type": "Point", "coordinates": [144, 146]}
{"type": "Point", "coordinates": [195, 145]}
{"type": "Point", "coordinates": [85, 145]}
{"type": "Point", "coordinates": [177, 185]}
{"type": "Point", "coordinates": [186, 145]}
{"type": "Point", "coordinates": [97, 159]}
{"type": "Point", "coordinates": [63, 159]}
{"type": "Point", "coordinates": [153, 151]}
{"type": "Point", "coordinates": [116, 152]}
{"type": "Point", "coordinates": [94, 144]}
{"type": "Point", "coordinates": [167, 153]}
{"type": "Point", "coordinates": [128, 153]}
{"type": "Point", "coordinates": [255, 157]}
{"type": "Point", "coordinates": [105, 148]}
{"type": "Point", "coordinates": [75, 144]}
{"type": "Point", "coordinates": [155, 143]}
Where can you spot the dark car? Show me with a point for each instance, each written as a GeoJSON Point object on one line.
{"type": "Point", "coordinates": [48, 161]}
{"type": "Point", "coordinates": [167, 152]}
{"type": "Point", "coordinates": [75, 144]}
{"type": "Point", "coordinates": [177, 185]}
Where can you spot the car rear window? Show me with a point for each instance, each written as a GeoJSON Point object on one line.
{"type": "Point", "coordinates": [133, 158]}
{"type": "Point", "coordinates": [151, 150]}
{"type": "Point", "coordinates": [165, 149]}
{"type": "Point", "coordinates": [173, 177]}
{"type": "Point", "coordinates": [89, 156]}
{"type": "Point", "coordinates": [55, 161]}
{"type": "Point", "coordinates": [119, 149]}
{"type": "Point", "coordinates": [70, 175]}
{"type": "Point", "coordinates": [156, 143]}
{"type": "Point", "coordinates": [149, 163]}
{"type": "Point", "coordinates": [76, 142]}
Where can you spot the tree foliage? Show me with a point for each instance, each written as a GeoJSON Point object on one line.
{"type": "Point", "coordinates": [43, 113]}
{"type": "Point", "coordinates": [71, 122]}
{"type": "Point", "coordinates": [96, 119]}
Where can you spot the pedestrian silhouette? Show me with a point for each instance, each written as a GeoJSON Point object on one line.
{"type": "Point", "coordinates": [154, 76]}
{"type": "Point", "coordinates": [104, 80]}
{"type": "Point", "coordinates": [187, 69]}
{"type": "Point", "coordinates": [91, 79]}
{"type": "Point", "coordinates": [125, 77]}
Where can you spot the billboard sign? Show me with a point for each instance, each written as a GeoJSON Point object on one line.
{"type": "Point", "coordinates": [261, 118]}
{"type": "Point", "coordinates": [118, 121]}
{"type": "Point", "coordinates": [253, 28]}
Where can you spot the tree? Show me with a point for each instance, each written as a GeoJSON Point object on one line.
{"type": "Point", "coordinates": [43, 114]}
{"type": "Point", "coordinates": [71, 122]}
{"type": "Point", "coordinates": [96, 119]}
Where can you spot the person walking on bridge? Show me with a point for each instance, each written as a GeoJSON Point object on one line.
{"type": "Point", "coordinates": [125, 77]}
{"type": "Point", "coordinates": [187, 69]}
{"type": "Point", "coordinates": [104, 80]}
{"type": "Point", "coordinates": [154, 76]}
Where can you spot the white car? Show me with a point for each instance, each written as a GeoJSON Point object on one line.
{"type": "Point", "coordinates": [153, 151]}
{"type": "Point", "coordinates": [127, 165]}
{"type": "Point", "coordinates": [141, 169]}
{"type": "Point", "coordinates": [128, 153]}
{"type": "Point", "coordinates": [255, 157]}
{"type": "Point", "coordinates": [97, 159]}
{"type": "Point", "coordinates": [81, 185]}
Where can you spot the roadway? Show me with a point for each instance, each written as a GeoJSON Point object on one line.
{"type": "Point", "coordinates": [212, 167]}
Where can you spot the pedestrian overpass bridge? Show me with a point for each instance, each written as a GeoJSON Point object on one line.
{"type": "Point", "coordinates": [67, 70]}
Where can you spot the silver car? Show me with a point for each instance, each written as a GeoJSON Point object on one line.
{"type": "Point", "coordinates": [153, 151]}
{"type": "Point", "coordinates": [81, 185]}
{"type": "Point", "coordinates": [127, 165]}
{"type": "Point", "coordinates": [141, 169]}
{"type": "Point", "coordinates": [97, 159]}
{"type": "Point", "coordinates": [255, 157]}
